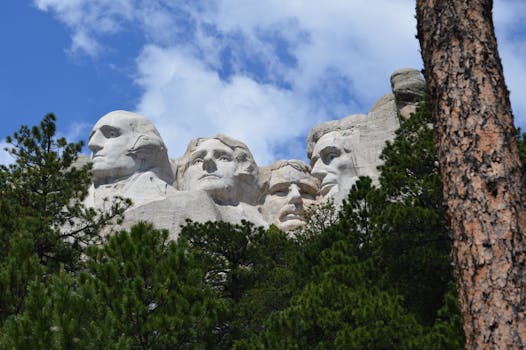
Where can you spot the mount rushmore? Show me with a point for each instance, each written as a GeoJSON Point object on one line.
{"type": "Point", "coordinates": [217, 177]}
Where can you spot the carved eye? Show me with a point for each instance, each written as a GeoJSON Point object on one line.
{"type": "Point", "coordinates": [331, 156]}
{"type": "Point", "coordinates": [225, 158]}
{"type": "Point", "coordinates": [197, 161]}
{"type": "Point", "coordinates": [306, 195]}
{"type": "Point", "coordinates": [110, 132]}
{"type": "Point", "coordinates": [280, 191]}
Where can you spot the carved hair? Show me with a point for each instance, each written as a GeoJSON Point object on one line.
{"type": "Point", "coordinates": [295, 163]}
{"type": "Point", "coordinates": [299, 165]}
{"type": "Point", "coordinates": [246, 165]}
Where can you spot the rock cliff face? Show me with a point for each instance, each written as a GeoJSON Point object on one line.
{"type": "Point", "coordinates": [218, 179]}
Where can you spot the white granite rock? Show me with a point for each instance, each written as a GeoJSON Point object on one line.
{"type": "Point", "coordinates": [343, 150]}
{"type": "Point", "coordinates": [217, 178]}
{"type": "Point", "coordinates": [172, 212]}
{"type": "Point", "coordinates": [291, 189]}
{"type": "Point", "coordinates": [408, 85]}
{"type": "Point", "coordinates": [129, 160]}
{"type": "Point", "coordinates": [221, 166]}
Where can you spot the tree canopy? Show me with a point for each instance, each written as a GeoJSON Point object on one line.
{"type": "Point", "coordinates": [374, 274]}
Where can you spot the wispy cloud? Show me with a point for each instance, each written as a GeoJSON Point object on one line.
{"type": "Point", "coordinates": [76, 131]}
{"type": "Point", "coordinates": [510, 25]}
{"type": "Point", "coordinates": [187, 99]}
{"type": "Point", "coordinates": [89, 20]}
{"type": "Point", "coordinates": [264, 71]}
{"type": "Point", "coordinates": [5, 157]}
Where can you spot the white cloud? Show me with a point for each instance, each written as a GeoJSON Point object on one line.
{"type": "Point", "coordinates": [5, 157]}
{"type": "Point", "coordinates": [185, 99]}
{"type": "Point", "coordinates": [80, 41]}
{"type": "Point", "coordinates": [363, 40]}
{"type": "Point", "coordinates": [266, 71]}
{"type": "Point", "coordinates": [510, 19]}
{"type": "Point", "coordinates": [88, 20]}
{"type": "Point", "coordinates": [76, 131]}
{"type": "Point", "coordinates": [336, 50]}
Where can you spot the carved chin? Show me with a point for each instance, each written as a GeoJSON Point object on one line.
{"type": "Point", "coordinates": [291, 224]}
{"type": "Point", "coordinates": [329, 190]}
{"type": "Point", "coordinates": [103, 172]}
{"type": "Point", "coordinates": [212, 183]}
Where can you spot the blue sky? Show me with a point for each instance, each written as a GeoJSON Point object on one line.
{"type": "Point", "coordinates": [261, 71]}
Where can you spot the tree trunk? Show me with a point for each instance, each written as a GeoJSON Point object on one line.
{"type": "Point", "coordinates": [480, 168]}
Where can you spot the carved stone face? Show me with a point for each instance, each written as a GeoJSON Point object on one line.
{"type": "Point", "coordinates": [334, 163]}
{"type": "Point", "coordinates": [211, 168]}
{"type": "Point", "coordinates": [109, 142]}
{"type": "Point", "coordinates": [290, 192]}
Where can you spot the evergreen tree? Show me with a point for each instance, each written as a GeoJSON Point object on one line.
{"type": "Point", "coordinates": [44, 224]}
{"type": "Point", "coordinates": [140, 291]}
{"type": "Point", "coordinates": [249, 266]}
{"type": "Point", "coordinates": [155, 290]}
{"type": "Point", "coordinates": [378, 277]}
{"type": "Point", "coordinates": [412, 237]}
{"type": "Point", "coordinates": [63, 313]}
{"type": "Point", "coordinates": [341, 308]}
{"type": "Point", "coordinates": [375, 275]}
{"type": "Point", "coordinates": [480, 167]}
{"type": "Point", "coordinates": [43, 193]}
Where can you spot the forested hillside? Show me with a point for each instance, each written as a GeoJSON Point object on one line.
{"type": "Point", "coordinates": [374, 275]}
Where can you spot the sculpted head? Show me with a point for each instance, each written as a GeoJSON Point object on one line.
{"type": "Point", "coordinates": [124, 143]}
{"type": "Point", "coordinates": [333, 150]}
{"type": "Point", "coordinates": [221, 166]}
{"type": "Point", "coordinates": [291, 190]}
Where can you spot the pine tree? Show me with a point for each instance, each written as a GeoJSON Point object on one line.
{"type": "Point", "coordinates": [43, 193]}
{"type": "Point", "coordinates": [44, 224]}
{"type": "Point", "coordinates": [341, 308]}
{"type": "Point", "coordinates": [480, 168]}
{"type": "Point", "coordinates": [251, 269]}
{"type": "Point", "coordinates": [380, 276]}
{"type": "Point", "coordinates": [140, 291]}
{"type": "Point", "coordinates": [155, 290]}
{"type": "Point", "coordinates": [65, 312]}
{"type": "Point", "coordinates": [412, 237]}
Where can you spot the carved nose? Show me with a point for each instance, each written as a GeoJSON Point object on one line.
{"type": "Point", "coordinates": [209, 165]}
{"type": "Point", "coordinates": [318, 169]}
{"type": "Point", "coordinates": [294, 195]}
{"type": "Point", "coordinates": [94, 143]}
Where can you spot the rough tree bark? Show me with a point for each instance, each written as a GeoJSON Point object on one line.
{"type": "Point", "coordinates": [480, 168]}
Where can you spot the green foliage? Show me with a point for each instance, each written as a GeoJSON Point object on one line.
{"type": "Point", "coordinates": [413, 238]}
{"type": "Point", "coordinates": [140, 291]}
{"type": "Point", "coordinates": [63, 313]}
{"type": "Point", "coordinates": [42, 192]}
{"type": "Point", "coordinates": [380, 276]}
{"type": "Point", "coordinates": [374, 275]}
{"type": "Point", "coordinates": [228, 253]}
{"type": "Point", "coordinates": [44, 224]}
{"type": "Point", "coordinates": [447, 332]}
{"type": "Point", "coordinates": [341, 309]}
{"type": "Point", "coordinates": [18, 267]}
{"type": "Point", "coordinates": [249, 266]}
{"type": "Point", "coordinates": [154, 289]}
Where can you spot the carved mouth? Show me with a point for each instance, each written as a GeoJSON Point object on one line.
{"type": "Point", "coordinates": [209, 176]}
{"type": "Point", "coordinates": [292, 216]}
{"type": "Point", "coordinates": [326, 187]}
{"type": "Point", "coordinates": [292, 213]}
